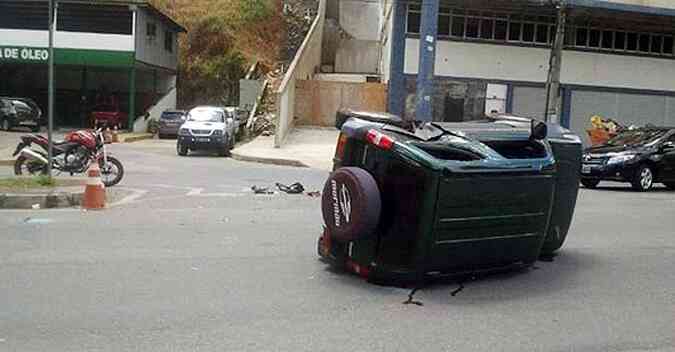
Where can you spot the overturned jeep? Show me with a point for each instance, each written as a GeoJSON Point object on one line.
{"type": "Point", "coordinates": [408, 202]}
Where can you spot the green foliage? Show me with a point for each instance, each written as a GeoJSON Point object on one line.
{"type": "Point", "coordinates": [224, 37]}
{"type": "Point", "coordinates": [45, 181]}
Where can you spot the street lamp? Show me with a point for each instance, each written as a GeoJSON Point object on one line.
{"type": "Point", "coordinates": [50, 90]}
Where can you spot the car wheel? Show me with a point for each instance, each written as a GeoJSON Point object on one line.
{"type": "Point", "coordinates": [590, 184]}
{"type": "Point", "coordinates": [643, 180]}
{"type": "Point", "coordinates": [670, 185]}
{"type": "Point", "coordinates": [5, 125]}
{"type": "Point", "coordinates": [181, 149]}
{"type": "Point", "coordinates": [351, 204]}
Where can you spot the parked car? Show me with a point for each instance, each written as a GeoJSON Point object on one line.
{"type": "Point", "coordinates": [20, 112]}
{"type": "Point", "coordinates": [409, 203]}
{"type": "Point", "coordinates": [170, 122]}
{"type": "Point", "coordinates": [640, 157]}
{"type": "Point", "coordinates": [108, 115]}
{"type": "Point", "coordinates": [207, 128]}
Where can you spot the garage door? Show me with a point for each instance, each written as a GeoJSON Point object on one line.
{"type": "Point", "coordinates": [529, 101]}
{"type": "Point", "coordinates": [628, 109]}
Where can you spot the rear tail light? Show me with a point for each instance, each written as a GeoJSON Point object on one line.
{"type": "Point", "coordinates": [340, 150]}
{"type": "Point", "coordinates": [380, 139]}
{"type": "Point", "coordinates": [360, 270]}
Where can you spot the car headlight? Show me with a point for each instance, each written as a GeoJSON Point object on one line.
{"type": "Point", "coordinates": [620, 159]}
{"type": "Point", "coordinates": [218, 133]}
{"type": "Point", "coordinates": [184, 132]}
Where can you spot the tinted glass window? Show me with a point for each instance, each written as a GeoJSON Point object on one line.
{"type": "Point", "coordinates": [95, 18]}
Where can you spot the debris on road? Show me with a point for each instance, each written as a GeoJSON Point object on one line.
{"type": "Point", "coordinates": [261, 190]}
{"type": "Point", "coordinates": [411, 300]}
{"type": "Point", "coordinates": [296, 188]}
{"type": "Point", "coordinates": [314, 194]}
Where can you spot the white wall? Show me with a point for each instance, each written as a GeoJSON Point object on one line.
{"type": "Point", "coordinates": [153, 51]}
{"type": "Point", "coordinates": [620, 71]}
{"type": "Point", "coordinates": [360, 18]}
{"type": "Point", "coordinates": [486, 61]}
{"type": "Point", "coordinates": [67, 40]}
{"type": "Point", "coordinates": [385, 40]}
{"type": "Point", "coordinates": [515, 63]}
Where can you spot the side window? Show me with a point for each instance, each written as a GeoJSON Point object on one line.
{"type": "Point", "coordinates": [168, 41]}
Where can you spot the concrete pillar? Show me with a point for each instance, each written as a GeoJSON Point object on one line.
{"type": "Point", "coordinates": [425, 77]}
{"type": "Point", "coordinates": [132, 98]}
{"type": "Point", "coordinates": [397, 86]}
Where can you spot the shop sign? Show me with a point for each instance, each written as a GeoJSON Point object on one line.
{"type": "Point", "coordinates": [23, 54]}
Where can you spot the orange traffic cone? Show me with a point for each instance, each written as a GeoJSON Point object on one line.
{"type": "Point", "coordinates": [94, 192]}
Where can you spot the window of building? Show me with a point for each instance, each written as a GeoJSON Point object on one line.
{"type": "Point", "coordinates": [668, 45]}
{"type": "Point", "coordinates": [632, 41]}
{"type": "Point", "coordinates": [472, 27]}
{"type": "Point", "coordinates": [643, 44]}
{"type": "Point", "coordinates": [536, 30]}
{"type": "Point", "coordinates": [444, 22]}
{"type": "Point", "coordinates": [414, 19]}
{"type": "Point", "coordinates": [542, 33]}
{"type": "Point", "coordinates": [620, 41]}
{"type": "Point", "coordinates": [501, 28]}
{"type": "Point", "coordinates": [94, 18]}
{"type": "Point", "coordinates": [487, 28]}
{"type": "Point", "coordinates": [607, 40]}
{"type": "Point", "coordinates": [168, 41]}
{"type": "Point", "coordinates": [528, 32]}
{"type": "Point", "coordinates": [151, 30]}
{"type": "Point", "coordinates": [657, 42]}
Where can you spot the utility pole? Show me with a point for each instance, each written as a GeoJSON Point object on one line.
{"type": "Point", "coordinates": [50, 90]}
{"type": "Point", "coordinates": [425, 76]}
{"type": "Point", "coordinates": [552, 112]}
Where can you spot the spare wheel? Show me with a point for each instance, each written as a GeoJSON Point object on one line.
{"type": "Point", "coordinates": [351, 203]}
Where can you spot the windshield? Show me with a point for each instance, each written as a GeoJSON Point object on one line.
{"type": "Point", "coordinates": [172, 115]}
{"type": "Point", "coordinates": [205, 115]}
{"type": "Point", "coordinates": [636, 137]}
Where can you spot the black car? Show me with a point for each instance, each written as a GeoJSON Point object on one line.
{"type": "Point", "coordinates": [19, 112]}
{"type": "Point", "coordinates": [641, 157]}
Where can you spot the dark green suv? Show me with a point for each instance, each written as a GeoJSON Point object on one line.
{"type": "Point", "coordinates": [408, 201]}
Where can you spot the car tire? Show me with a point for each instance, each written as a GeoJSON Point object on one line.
{"type": "Point", "coordinates": [181, 149]}
{"type": "Point", "coordinates": [5, 125]}
{"type": "Point", "coordinates": [670, 185]}
{"type": "Point", "coordinates": [590, 184]}
{"type": "Point", "coordinates": [351, 204]}
{"type": "Point", "coordinates": [643, 179]}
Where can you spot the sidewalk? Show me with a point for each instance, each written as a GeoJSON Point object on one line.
{"type": "Point", "coordinates": [305, 147]}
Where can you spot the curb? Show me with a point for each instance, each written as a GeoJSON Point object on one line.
{"type": "Point", "coordinates": [7, 162]}
{"type": "Point", "coordinates": [271, 161]}
{"type": "Point", "coordinates": [131, 139]}
{"type": "Point", "coordinates": [44, 201]}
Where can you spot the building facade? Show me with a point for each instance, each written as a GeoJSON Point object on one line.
{"type": "Point", "coordinates": [618, 59]}
{"type": "Point", "coordinates": [125, 50]}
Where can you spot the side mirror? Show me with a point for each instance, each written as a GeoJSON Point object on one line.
{"type": "Point", "coordinates": [538, 130]}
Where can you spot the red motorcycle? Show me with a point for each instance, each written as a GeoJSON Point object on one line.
{"type": "Point", "coordinates": [73, 155]}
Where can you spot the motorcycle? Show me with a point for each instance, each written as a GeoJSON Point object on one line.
{"type": "Point", "coordinates": [73, 155]}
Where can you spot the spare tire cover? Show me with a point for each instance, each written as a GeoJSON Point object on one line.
{"type": "Point", "coordinates": [351, 204]}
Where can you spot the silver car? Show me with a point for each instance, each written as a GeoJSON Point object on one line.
{"type": "Point", "coordinates": [170, 122]}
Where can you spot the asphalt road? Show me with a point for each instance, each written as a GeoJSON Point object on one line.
{"type": "Point", "coordinates": [193, 261]}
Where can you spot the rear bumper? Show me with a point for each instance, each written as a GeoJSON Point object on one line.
{"type": "Point", "coordinates": [203, 143]}
{"type": "Point", "coordinates": [173, 130]}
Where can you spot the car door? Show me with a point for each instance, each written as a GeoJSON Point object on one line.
{"type": "Point", "coordinates": [669, 159]}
